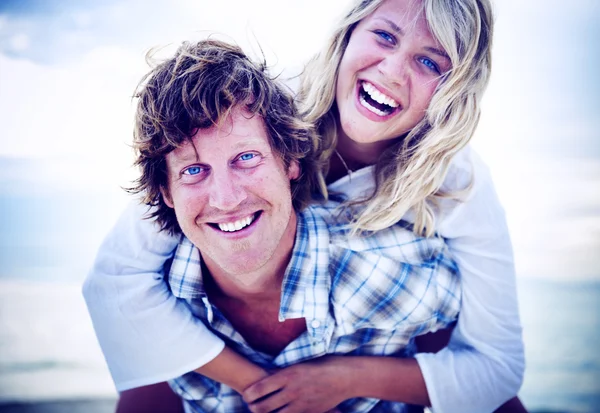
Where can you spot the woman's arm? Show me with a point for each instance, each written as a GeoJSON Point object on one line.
{"type": "Point", "coordinates": [232, 369]}
{"type": "Point", "coordinates": [146, 334]}
{"type": "Point", "coordinates": [321, 384]}
{"type": "Point", "coordinates": [434, 342]}
{"type": "Point", "coordinates": [228, 368]}
{"type": "Point", "coordinates": [485, 351]}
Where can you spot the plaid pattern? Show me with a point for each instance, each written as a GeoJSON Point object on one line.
{"type": "Point", "coordinates": [368, 295]}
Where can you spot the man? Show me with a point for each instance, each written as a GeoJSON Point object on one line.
{"type": "Point", "coordinates": [226, 163]}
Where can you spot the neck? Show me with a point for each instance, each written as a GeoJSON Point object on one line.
{"type": "Point", "coordinates": [255, 286]}
{"type": "Point", "coordinates": [360, 154]}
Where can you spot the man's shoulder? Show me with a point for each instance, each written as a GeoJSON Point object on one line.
{"type": "Point", "coordinates": [399, 242]}
{"type": "Point", "coordinates": [392, 288]}
{"type": "Point", "coordinates": [389, 278]}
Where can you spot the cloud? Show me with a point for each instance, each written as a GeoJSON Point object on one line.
{"type": "Point", "coordinates": [19, 42]}
{"type": "Point", "coordinates": [137, 24]}
{"type": "Point", "coordinates": [538, 131]}
{"type": "Point", "coordinates": [75, 120]}
{"type": "Point", "coordinates": [539, 134]}
{"type": "Point", "coordinates": [82, 19]}
{"type": "Point", "coordinates": [553, 211]}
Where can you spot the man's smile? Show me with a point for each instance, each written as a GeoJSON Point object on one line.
{"type": "Point", "coordinates": [237, 224]}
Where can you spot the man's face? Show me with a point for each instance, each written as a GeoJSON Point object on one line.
{"type": "Point", "coordinates": [231, 195]}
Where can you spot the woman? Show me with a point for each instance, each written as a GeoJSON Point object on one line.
{"type": "Point", "coordinates": [395, 97]}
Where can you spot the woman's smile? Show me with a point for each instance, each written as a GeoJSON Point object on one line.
{"type": "Point", "coordinates": [388, 73]}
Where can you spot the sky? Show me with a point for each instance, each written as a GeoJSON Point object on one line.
{"type": "Point", "coordinates": [68, 70]}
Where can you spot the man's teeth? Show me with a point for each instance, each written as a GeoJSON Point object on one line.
{"type": "Point", "coordinates": [237, 225]}
{"type": "Point", "coordinates": [377, 96]}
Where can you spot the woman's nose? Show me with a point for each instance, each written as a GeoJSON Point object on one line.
{"type": "Point", "coordinates": [395, 68]}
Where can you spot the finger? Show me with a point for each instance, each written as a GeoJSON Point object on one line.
{"type": "Point", "coordinates": [274, 401]}
{"type": "Point", "coordinates": [262, 388]}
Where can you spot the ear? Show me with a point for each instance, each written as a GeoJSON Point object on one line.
{"type": "Point", "coordinates": [166, 197]}
{"type": "Point", "coordinates": [293, 170]}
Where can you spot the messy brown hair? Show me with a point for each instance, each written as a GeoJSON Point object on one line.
{"type": "Point", "coordinates": [197, 89]}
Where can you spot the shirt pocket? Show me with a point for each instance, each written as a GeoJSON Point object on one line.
{"type": "Point", "coordinates": [374, 291]}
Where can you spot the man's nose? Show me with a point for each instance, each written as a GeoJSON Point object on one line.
{"type": "Point", "coordinates": [226, 192]}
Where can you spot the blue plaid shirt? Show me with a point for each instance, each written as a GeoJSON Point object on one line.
{"type": "Point", "coordinates": [367, 295]}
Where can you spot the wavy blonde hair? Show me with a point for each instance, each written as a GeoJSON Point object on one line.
{"type": "Point", "coordinates": [410, 172]}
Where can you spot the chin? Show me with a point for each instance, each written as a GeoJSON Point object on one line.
{"type": "Point", "coordinates": [365, 138]}
{"type": "Point", "coordinates": [245, 264]}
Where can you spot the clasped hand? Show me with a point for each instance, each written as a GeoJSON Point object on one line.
{"type": "Point", "coordinates": [314, 386]}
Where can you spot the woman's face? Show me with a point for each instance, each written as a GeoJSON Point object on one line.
{"type": "Point", "coordinates": [389, 72]}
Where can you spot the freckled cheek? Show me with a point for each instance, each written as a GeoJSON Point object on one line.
{"type": "Point", "coordinates": [352, 62]}
{"type": "Point", "coordinates": [424, 93]}
{"type": "Point", "coordinates": [358, 60]}
{"type": "Point", "coordinates": [266, 188]}
{"type": "Point", "coordinates": [341, 88]}
{"type": "Point", "coordinates": [366, 58]}
{"type": "Point", "coordinates": [189, 203]}
{"type": "Point", "coordinates": [275, 189]}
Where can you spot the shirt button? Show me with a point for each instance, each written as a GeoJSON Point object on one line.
{"type": "Point", "coordinates": [315, 324]}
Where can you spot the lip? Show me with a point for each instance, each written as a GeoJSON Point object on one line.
{"type": "Point", "coordinates": [242, 233]}
{"type": "Point", "coordinates": [366, 112]}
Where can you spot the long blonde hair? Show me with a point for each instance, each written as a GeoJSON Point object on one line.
{"type": "Point", "coordinates": [410, 172]}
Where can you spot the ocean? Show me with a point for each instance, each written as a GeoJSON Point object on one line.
{"type": "Point", "coordinates": [48, 350]}
{"type": "Point", "coordinates": [561, 330]}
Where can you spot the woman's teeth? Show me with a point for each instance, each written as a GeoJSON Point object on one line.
{"type": "Point", "coordinates": [375, 101]}
{"type": "Point", "coordinates": [371, 108]}
{"type": "Point", "coordinates": [377, 96]}
{"type": "Point", "coordinates": [237, 225]}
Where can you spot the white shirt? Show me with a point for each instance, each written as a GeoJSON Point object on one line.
{"type": "Point", "coordinates": [139, 322]}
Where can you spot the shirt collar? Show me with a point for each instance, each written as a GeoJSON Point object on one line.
{"type": "Point", "coordinates": [185, 275]}
{"type": "Point", "coordinates": [307, 281]}
{"type": "Point", "coordinates": [306, 284]}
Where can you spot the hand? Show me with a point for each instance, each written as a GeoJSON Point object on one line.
{"type": "Point", "coordinates": [309, 387]}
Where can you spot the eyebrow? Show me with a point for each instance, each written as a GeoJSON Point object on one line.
{"type": "Point", "coordinates": [399, 30]}
{"type": "Point", "coordinates": [184, 159]}
{"type": "Point", "coordinates": [393, 25]}
{"type": "Point", "coordinates": [438, 52]}
{"type": "Point", "coordinates": [249, 142]}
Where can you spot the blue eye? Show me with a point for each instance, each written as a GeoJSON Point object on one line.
{"type": "Point", "coordinates": [247, 156]}
{"type": "Point", "coordinates": [386, 36]}
{"type": "Point", "coordinates": [192, 170]}
{"type": "Point", "coordinates": [248, 160]}
{"type": "Point", "coordinates": [430, 64]}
